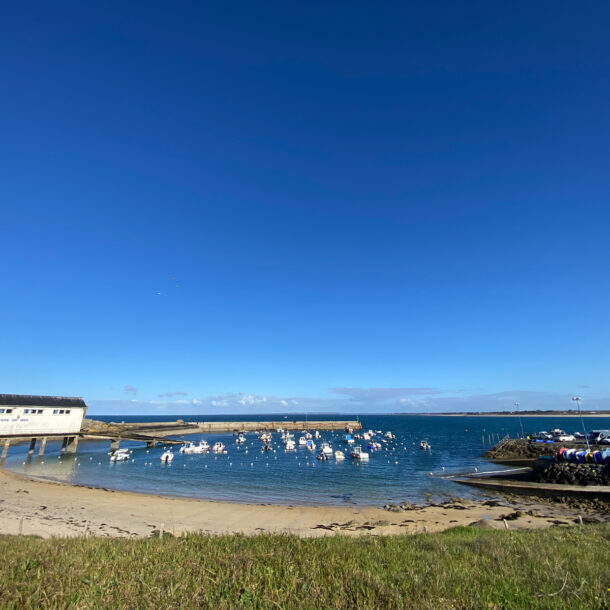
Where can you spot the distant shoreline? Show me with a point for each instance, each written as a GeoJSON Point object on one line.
{"type": "Point", "coordinates": [501, 414]}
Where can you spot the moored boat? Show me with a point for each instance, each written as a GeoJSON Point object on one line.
{"type": "Point", "coordinates": [358, 454]}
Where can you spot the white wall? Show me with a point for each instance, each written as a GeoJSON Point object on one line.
{"type": "Point", "coordinates": [20, 423]}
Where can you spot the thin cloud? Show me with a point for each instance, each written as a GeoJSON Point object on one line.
{"type": "Point", "coordinates": [172, 394]}
{"type": "Point", "coordinates": [382, 394]}
{"type": "Point", "coordinates": [129, 389]}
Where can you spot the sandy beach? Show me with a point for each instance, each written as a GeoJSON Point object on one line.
{"type": "Point", "coordinates": [56, 509]}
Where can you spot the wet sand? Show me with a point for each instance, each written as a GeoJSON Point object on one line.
{"type": "Point", "coordinates": [57, 509]}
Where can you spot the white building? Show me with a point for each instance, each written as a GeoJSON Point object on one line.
{"type": "Point", "coordinates": [31, 416]}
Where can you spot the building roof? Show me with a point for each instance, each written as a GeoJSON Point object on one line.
{"type": "Point", "coordinates": [24, 400]}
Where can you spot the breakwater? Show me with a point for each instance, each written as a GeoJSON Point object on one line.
{"type": "Point", "coordinates": [252, 426]}
{"type": "Point", "coordinates": [180, 427]}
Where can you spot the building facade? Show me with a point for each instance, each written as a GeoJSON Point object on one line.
{"type": "Point", "coordinates": [27, 416]}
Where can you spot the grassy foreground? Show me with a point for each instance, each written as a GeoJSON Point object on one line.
{"type": "Point", "coordinates": [461, 568]}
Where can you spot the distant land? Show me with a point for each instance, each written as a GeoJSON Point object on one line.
{"type": "Point", "coordinates": [535, 413]}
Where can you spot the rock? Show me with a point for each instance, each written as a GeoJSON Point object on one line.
{"type": "Point", "coordinates": [487, 524]}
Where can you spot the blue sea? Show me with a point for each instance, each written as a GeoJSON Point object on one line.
{"type": "Point", "coordinates": [400, 471]}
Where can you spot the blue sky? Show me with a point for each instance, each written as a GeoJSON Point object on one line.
{"type": "Point", "coordinates": [209, 207]}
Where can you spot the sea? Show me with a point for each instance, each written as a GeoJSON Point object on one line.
{"type": "Point", "coordinates": [399, 472]}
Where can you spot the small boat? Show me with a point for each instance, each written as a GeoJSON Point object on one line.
{"type": "Point", "coordinates": [339, 455]}
{"type": "Point", "coordinates": [317, 435]}
{"type": "Point", "coordinates": [120, 455]}
{"type": "Point", "coordinates": [290, 445]}
{"type": "Point", "coordinates": [326, 449]}
{"type": "Point", "coordinates": [348, 439]}
{"type": "Point", "coordinates": [366, 436]}
{"type": "Point", "coordinates": [287, 437]}
{"type": "Point", "coordinates": [389, 435]}
{"type": "Point", "coordinates": [308, 436]}
{"type": "Point", "coordinates": [358, 454]}
{"type": "Point", "coordinates": [373, 446]}
{"type": "Point", "coordinates": [166, 457]}
{"type": "Point", "coordinates": [265, 437]}
{"type": "Point", "coordinates": [323, 457]}
{"type": "Point", "coordinates": [310, 445]}
{"type": "Point", "coordinates": [267, 447]}
{"type": "Point", "coordinates": [218, 448]}
{"type": "Point", "coordinates": [302, 441]}
{"type": "Point", "coordinates": [190, 447]}
{"type": "Point", "coordinates": [241, 439]}
{"type": "Point", "coordinates": [425, 446]}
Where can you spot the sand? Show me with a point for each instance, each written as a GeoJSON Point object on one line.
{"type": "Point", "coordinates": [48, 509]}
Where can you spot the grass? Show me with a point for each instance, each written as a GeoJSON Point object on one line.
{"type": "Point", "coordinates": [459, 568]}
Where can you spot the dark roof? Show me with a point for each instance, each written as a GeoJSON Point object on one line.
{"type": "Point", "coordinates": [23, 400]}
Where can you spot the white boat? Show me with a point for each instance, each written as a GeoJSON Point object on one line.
{"type": "Point", "coordinates": [326, 449]}
{"type": "Point", "coordinates": [189, 448]}
{"type": "Point", "coordinates": [317, 435]}
{"type": "Point", "coordinates": [425, 446]}
{"type": "Point", "coordinates": [389, 435]}
{"type": "Point", "coordinates": [366, 436]}
{"type": "Point", "coordinates": [348, 439]}
{"type": "Point", "coordinates": [310, 445]}
{"type": "Point", "coordinates": [358, 454]}
{"type": "Point", "coordinates": [290, 445]}
{"type": "Point", "coordinates": [339, 455]}
{"type": "Point", "coordinates": [241, 439]}
{"type": "Point", "coordinates": [120, 455]}
{"type": "Point", "coordinates": [166, 457]}
{"type": "Point", "coordinates": [302, 441]}
{"type": "Point", "coordinates": [308, 435]}
{"type": "Point", "coordinates": [265, 437]}
{"type": "Point", "coordinates": [287, 437]}
{"type": "Point", "coordinates": [218, 448]}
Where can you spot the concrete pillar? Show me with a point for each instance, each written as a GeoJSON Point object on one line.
{"type": "Point", "coordinates": [64, 444]}
{"type": "Point", "coordinates": [43, 444]}
{"type": "Point", "coordinates": [32, 446]}
{"type": "Point", "coordinates": [7, 443]}
{"type": "Point", "coordinates": [72, 444]}
{"type": "Point", "coordinates": [114, 444]}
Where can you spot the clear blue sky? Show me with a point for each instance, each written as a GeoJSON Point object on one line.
{"type": "Point", "coordinates": [335, 205]}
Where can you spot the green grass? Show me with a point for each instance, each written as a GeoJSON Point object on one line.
{"type": "Point", "coordinates": [461, 568]}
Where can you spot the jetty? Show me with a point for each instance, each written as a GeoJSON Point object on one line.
{"type": "Point", "coordinates": [255, 426]}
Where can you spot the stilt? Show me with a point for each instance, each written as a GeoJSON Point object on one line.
{"type": "Point", "coordinates": [72, 444]}
{"type": "Point", "coordinates": [64, 444]}
{"type": "Point", "coordinates": [7, 444]}
{"type": "Point", "coordinates": [43, 444]}
{"type": "Point", "coordinates": [32, 446]}
{"type": "Point", "coordinates": [114, 444]}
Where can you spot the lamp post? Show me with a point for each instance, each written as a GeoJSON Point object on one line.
{"type": "Point", "coordinates": [520, 422]}
{"type": "Point", "coordinates": [577, 399]}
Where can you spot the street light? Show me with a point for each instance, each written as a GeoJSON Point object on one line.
{"type": "Point", "coordinates": [577, 400]}
{"type": "Point", "coordinates": [520, 422]}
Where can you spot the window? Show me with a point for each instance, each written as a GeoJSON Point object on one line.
{"type": "Point", "coordinates": [55, 411]}
{"type": "Point", "coordinates": [6, 411]}
{"type": "Point", "coordinates": [32, 411]}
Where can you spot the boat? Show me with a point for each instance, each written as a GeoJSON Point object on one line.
{"type": "Point", "coordinates": [389, 435]}
{"type": "Point", "coordinates": [339, 455]}
{"type": "Point", "coordinates": [241, 439]}
{"type": "Point", "coordinates": [424, 445]}
{"type": "Point", "coordinates": [326, 449]}
{"type": "Point", "coordinates": [348, 439]}
{"type": "Point", "coordinates": [120, 455]}
{"type": "Point", "coordinates": [317, 435]}
{"type": "Point", "coordinates": [373, 446]}
{"type": "Point", "coordinates": [290, 445]}
{"type": "Point", "coordinates": [323, 457]}
{"type": "Point", "coordinates": [218, 448]}
{"type": "Point", "coordinates": [166, 457]}
{"type": "Point", "coordinates": [310, 445]}
{"type": "Point", "coordinates": [190, 447]}
{"type": "Point", "coordinates": [358, 454]}
{"type": "Point", "coordinates": [302, 441]}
